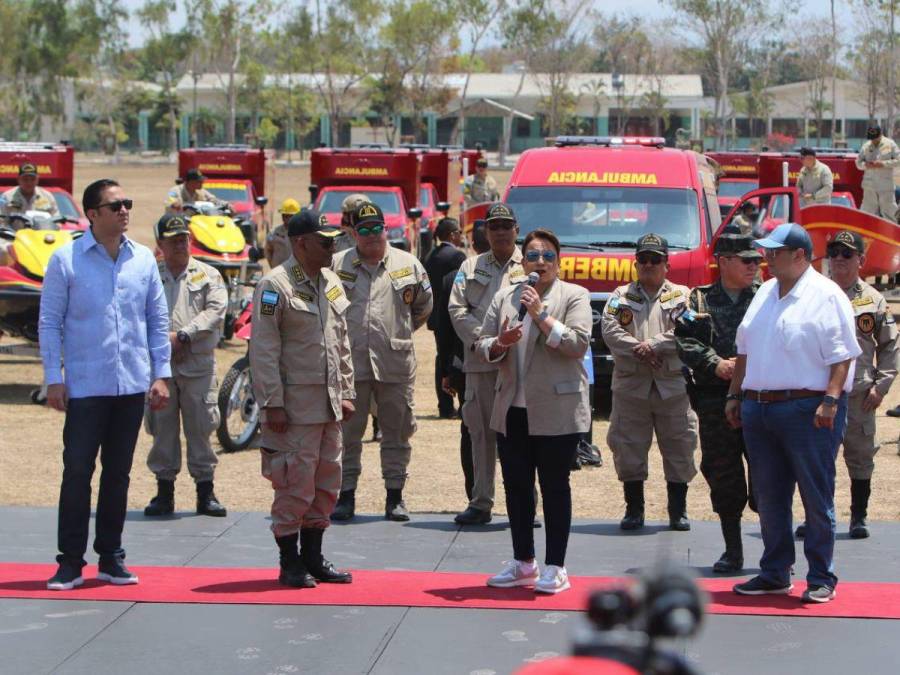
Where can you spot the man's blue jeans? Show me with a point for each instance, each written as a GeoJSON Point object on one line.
{"type": "Point", "coordinates": [785, 450]}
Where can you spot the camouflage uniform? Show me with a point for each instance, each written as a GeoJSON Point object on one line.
{"type": "Point", "coordinates": [702, 343]}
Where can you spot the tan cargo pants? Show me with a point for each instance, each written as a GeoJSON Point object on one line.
{"type": "Point", "coordinates": [632, 423]}
{"type": "Point", "coordinates": [397, 422]}
{"type": "Point", "coordinates": [859, 439]}
{"type": "Point", "coordinates": [879, 202]}
{"type": "Point", "coordinates": [192, 404]}
{"type": "Point", "coordinates": [306, 478]}
{"type": "Point", "coordinates": [476, 414]}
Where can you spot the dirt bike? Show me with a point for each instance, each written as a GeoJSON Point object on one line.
{"type": "Point", "coordinates": [238, 410]}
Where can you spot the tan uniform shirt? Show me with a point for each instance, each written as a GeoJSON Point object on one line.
{"type": "Point", "coordinates": [300, 351]}
{"type": "Point", "coordinates": [817, 181]}
{"type": "Point", "coordinates": [631, 317]}
{"type": "Point", "coordinates": [476, 283]}
{"type": "Point", "coordinates": [42, 200]}
{"type": "Point", "coordinates": [886, 152]}
{"type": "Point", "coordinates": [197, 300]}
{"type": "Point", "coordinates": [387, 305]}
{"type": "Point", "coordinates": [281, 246]}
{"type": "Point", "coordinates": [743, 223]}
{"type": "Point", "coordinates": [179, 196]}
{"type": "Point", "coordinates": [877, 335]}
{"type": "Point", "coordinates": [477, 191]}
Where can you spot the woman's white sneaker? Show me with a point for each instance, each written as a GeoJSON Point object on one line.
{"type": "Point", "coordinates": [515, 573]}
{"type": "Point", "coordinates": [553, 580]}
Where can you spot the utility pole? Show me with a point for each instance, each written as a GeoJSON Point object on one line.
{"type": "Point", "coordinates": [891, 93]}
{"type": "Point", "coordinates": [834, 50]}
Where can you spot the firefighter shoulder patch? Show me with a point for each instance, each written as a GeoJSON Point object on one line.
{"type": "Point", "coordinates": [408, 294]}
{"type": "Point", "coordinates": [625, 316]}
{"type": "Point", "coordinates": [865, 323]}
{"type": "Point", "coordinates": [268, 302]}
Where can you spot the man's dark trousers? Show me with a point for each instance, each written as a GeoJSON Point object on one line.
{"type": "Point", "coordinates": [111, 425]}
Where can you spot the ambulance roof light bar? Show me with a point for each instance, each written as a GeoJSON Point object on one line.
{"type": "Point", "coordinates": [610, 141]}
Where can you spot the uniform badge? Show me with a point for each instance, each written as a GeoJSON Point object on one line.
{"type": "Point", "coordinates": [612, 307]}
{"type": "Point", "coordinates": [297, 271]}
{"type": "Point", "coordinates": [268, 302]}
{"type": "Point", "coordinates": [866, 323]}
{"type": "Point", "coordinates": [670, 295]}
{"type": "Point", "coordinates": [408, 294]}
{"type": "Point", "coordinates": [347, 276]}
{"type": "Point", "coordinates": [303, 296]}
{"type": "Point", "coordinates": [626, 316]}
{"type": "Point", "coordinates": [862, 300]}
{"type": "Point", "coordinates": [200, 276]}
{"type": "Point", "coordinates": [483, 273]}
{"type": "Point", "coordinates": [634, 297]}
{"type": "Point", "coordinates": [399, 274]}
{"type": "Point", "coordinates": [334, 293]}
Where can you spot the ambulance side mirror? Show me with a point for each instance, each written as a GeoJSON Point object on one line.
{"type": "Point", "coordinates": [414, 212]}
{"type": "Point", "coordinates": [261, 201]}
{"type": "Point", "coordinates": [443, 207]}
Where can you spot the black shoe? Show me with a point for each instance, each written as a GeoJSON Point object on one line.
{"type": "Point", "coordinates": [733, 559]}
{"type": "Point", "coordinates": [345, 508]}
{"type": "Point", "coordinates": [536, 524]}
{"type": "Point", "coordinates": [634, 505]}
{"type": "Point", "coordinates": [800, 532]}
{"type": "Point", "coordinates": [394, 507]}
{"type": "Point", "coordinates": [292, 571]}
{"type": "Point", "coordinates": [316, 564]}
{"type": "Point", "coordinates": [163, 504]}
{"type": "Point", "coordinates": [473, 516]}
{"type": "Point", "coordinates": [816, 593]}
{"type": "Point", "coordinates": [728, 564]}
{"type": "Point", "coordinates": [677, 506]}
{"type": "Point", "coordinates": [114, 571]}
{"type": "Point", "coordinates": [859, 506]}
{"type": "Point", "coordinates": [66, 578]}
{"type": "Point", "coordinates": [759, 586]}
{"type": "Point", "coordinates": [207, 504]}
{"type": "Point", "coordinates": [894, 412]}
{"type": "Point", "coordinates": [376, 430]}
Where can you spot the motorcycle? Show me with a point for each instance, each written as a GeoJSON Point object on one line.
{"type": "Point", "coordinates": [238, 411]}
{"type": "Point", "coordinates": [228, 243]}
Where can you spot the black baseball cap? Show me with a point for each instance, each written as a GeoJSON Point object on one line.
{"type": "Point", "coordinates": [851, 240]}
{"type": "Point", "coordinates": [499, 211]}
{"type": "Point", "coordinates": [654, 243]}
{"type": "Point", "coordinates": [873, 132]}
{"type": "Point", "coordinates": [171, 226]}
{"type": "Point", "coordinates": [194, 174]}
{"type": "Point", "coordinates": [368, 212]}
{"type": "Point", "coordinates": [481, 161]}
{"type": "Point", "coordinates": [28, 169]}
{"type": "Point", "coordinates": [807, 152]}
{"type": "Point", "coordinates": [310, 221]}
{"type": "Point", "coordinates": [733, 242]}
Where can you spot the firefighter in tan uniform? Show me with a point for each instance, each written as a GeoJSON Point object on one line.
{"type": "Point", "coordinates": [278, 246]}
{"type": "Point", "coordinates": [189, 192]}
{"type": "Point", "coordinates": [390, 298]}
{"type": "Point", "coordinates": [477, 282]}
{"type": "Point", "coordinates": [480, 187]}
{"type": "Point", "coordinates": [303, 381]}
{"type": "Point", "coordinates": [877, 158]}
{"type": "Point", "coordinates": [197, 300]}
{"type": "Point", "coordinates": [648, 390]}
{"type": "Point", "coordinates": [876, 369]}
{"type": "Point", "coordinates": [815, 182]}
{"type": "Point", "coordinates": [27, 196]}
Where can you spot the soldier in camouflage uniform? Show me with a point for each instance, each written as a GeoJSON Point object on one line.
{"type": "Point", "coordinates": [705, 337]}
{"type": "Point", "coordinates": [480, 187]}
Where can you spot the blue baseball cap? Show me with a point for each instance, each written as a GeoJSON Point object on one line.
{"type": "Point", "coordinates": [787, 235]}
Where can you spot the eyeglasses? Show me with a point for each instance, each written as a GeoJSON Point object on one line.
{"type": "Point", "coordinates": [367, 231]}
{"type": "Point", "coordinates": [501, 225]}
{"type": "Point", "coordinates": [772, 252]}
{"type": "Point", "coordinates": [746, 261]}
{"type": "Point", "coordinates": [649, 258]}
{"type": "Point", "coordinates": [117, 205]}
{"type": "Point", "coordinates": [844, 253]}
{"type": "Point", "coordinates": [534, 256]}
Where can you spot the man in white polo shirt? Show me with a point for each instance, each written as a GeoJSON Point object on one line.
{"type": "Point", "coordinates": [796, 350]}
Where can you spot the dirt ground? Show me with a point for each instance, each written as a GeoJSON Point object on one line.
{"type": "Point", "coordinates": [30, 435]}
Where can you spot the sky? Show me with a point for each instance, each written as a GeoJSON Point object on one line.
{"type": "Point", "coordinates": [651, 9]}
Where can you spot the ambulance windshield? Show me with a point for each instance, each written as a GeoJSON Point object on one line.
{"type": "Point", "coordinates": [737, 188]}
{"type": "Point", "coordinates": [582, 215]}
{"type": "Point", "coordinates": [331, 200]}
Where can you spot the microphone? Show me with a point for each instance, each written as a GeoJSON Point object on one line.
{"type": "Point", "coordinates": [532, 281]}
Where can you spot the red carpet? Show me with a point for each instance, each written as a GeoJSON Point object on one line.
{"type": "Point", "coordinates": [416, 589]}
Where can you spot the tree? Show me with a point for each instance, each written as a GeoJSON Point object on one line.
{"type": "Point", "coordinates": [725, 28]}
{"type": "Point", "coordinates": [814, 51]}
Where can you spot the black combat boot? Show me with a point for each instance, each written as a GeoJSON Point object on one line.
{"type": "Point", "coordinates": [318, 566]}
{"type": "Point", "coordinates": [634, 505]}
{"type": "Point", "coordinates": [163, 504]}
{"type": "Point", "coordinates": [207, 504]}
{"type": "Point", "coordinates": [394, 508]}
{"type": "Point", "coordinates": [345, 508]}
{"type": "Point", "coordinates": [732, 560]}
{"type": "Point", "coordinates": [293, 573]}
{"type": "Point", "coordinates": [859, 505]}
{"type": "Point", "coordinates": [677, 493]}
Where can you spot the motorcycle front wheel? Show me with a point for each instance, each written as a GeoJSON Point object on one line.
{"type": "Point", "coordinates": [239, 413]}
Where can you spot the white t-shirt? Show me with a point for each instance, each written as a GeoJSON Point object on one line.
{"type": "Point", "coordinates": [791, 342]}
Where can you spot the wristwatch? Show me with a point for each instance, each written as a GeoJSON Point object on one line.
{"type": "Point", "coordinates": [183, 337]}
{"type": "Point", "coordinates": [734, 397]}
{"type": "Point", "coordinates": [543, 316]}
{"type": "Point", "coordinates": [829, 400]}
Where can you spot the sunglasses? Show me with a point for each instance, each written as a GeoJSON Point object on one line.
{"type": "Point", "coordinates": [501, 225]}
{"type": "Point", "coordinates": [534, 256]}
{"type": "Point", "coordinates": [367, 231]}
{"type": "Point", "coordinates": [649, 259]}
{"type": "Point", "coordinates": [117, 205]}
{"type": "Point", "coordinates": [746, 261]}
{"type": "Point", "coordinates": [844, 253]}
{"type": "Point", "coordinates": [325, 242]}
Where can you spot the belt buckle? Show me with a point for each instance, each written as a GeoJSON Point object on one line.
{"type": "Point", "coordinates": [760, 396]}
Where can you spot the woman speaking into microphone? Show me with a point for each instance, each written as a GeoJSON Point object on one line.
{"type": "Point", "coordinates": [540, 406]}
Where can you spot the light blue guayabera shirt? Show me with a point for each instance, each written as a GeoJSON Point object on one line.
{"type": "Point", "coordinates": [109, 318]}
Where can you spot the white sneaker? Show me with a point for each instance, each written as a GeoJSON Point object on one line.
{"type": "Point", "coordinates": [553, 580]}
{"type": "Point", "coordinates": [516, 573]}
